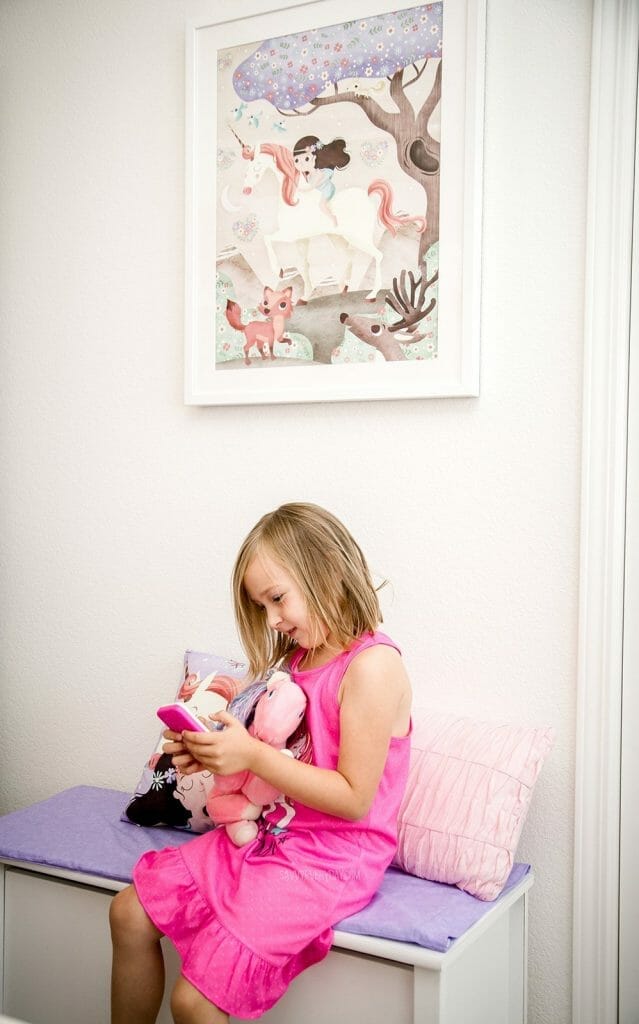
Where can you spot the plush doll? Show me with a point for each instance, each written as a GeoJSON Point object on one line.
{"type": "Point", "coordinates": [236, 800]}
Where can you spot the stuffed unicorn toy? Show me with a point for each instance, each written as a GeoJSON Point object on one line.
{"type": "Point", "coordinates": [236, 801]}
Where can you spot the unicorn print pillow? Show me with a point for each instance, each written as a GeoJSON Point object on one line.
{"type": "Point", "coordinates": [163, 796]}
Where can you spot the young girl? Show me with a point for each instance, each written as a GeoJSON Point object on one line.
{"type": "Point", "coordinates": [246, 920]}
{"type": "Point", "coordinates": [316, 163]}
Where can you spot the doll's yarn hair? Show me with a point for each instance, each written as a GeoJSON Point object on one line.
{"type": "Point", "coordinates": [330, 154]}
{"type": "Point", "coordinates": [243, 707]}
{"type": "Point", "coordinates": [244, 703]}
{"type": "Point", "coordinates": [327, 564]}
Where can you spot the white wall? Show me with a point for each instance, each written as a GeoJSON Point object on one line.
{"type": "Point", "coordinates": [122, 508]}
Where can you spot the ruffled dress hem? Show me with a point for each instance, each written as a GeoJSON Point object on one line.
{"type": "Point", "coordinates": [233, 977]}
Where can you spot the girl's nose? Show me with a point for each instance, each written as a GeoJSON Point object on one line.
{"type": "Point", "coordinates": [274, 617]}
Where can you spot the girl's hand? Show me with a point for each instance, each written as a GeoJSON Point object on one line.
{"type": "Point", "coordinates": [222, 752]}
{"type": "Point", "coordinates": [180, 756]}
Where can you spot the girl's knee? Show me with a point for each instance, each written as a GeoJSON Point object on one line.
{"type": "Point", "coordinates": [189, 1006]}
{"type": "Point", "coordinates": [128, 918]}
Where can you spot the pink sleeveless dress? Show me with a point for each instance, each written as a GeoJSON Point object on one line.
{"type": "Point", "coordinates": [246, 920]}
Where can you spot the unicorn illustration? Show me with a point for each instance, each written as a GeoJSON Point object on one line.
{"type": "Point", "coordinates": [355, 222]}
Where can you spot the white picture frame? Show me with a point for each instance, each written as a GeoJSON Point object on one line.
{"type": "Point", "coordinates": [215, 168]}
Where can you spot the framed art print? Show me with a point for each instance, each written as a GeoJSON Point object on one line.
{"type": "Point", "coordinates": [333, 221]}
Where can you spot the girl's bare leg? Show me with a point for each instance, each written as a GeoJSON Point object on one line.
{"type": "Point", "coordinates": [189, 1006]}
{"type": "Point", "coordinates": [137, 978]}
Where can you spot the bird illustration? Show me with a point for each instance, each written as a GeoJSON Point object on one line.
{"type": "Point", "coordinates": [236, 112]}
{"type": "Point", "coordinates": [367, 88]}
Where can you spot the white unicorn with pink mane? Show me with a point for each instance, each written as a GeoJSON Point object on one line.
{"type": "Point", "coordinates": [360, 219]}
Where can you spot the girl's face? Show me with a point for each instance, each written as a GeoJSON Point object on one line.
{"type": "Point", "coordinates": [304, 162]}
{"type": "Point", "coordinates": [271, 587]}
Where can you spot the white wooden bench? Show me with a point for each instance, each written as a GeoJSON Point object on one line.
{"type": "Point", "coordinates": [55, 954]}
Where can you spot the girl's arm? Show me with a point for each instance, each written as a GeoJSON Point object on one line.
{"type": "Point", "coordinates": [375, 705]}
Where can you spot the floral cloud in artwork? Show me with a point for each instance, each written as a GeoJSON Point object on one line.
{"type": "Point", "coordinates": [292, 70]}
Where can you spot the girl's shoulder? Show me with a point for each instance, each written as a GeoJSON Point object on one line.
{"type": "Point", "coordinates": [374, 655]}
{"type": "Point", "coordinates": [374, 641]}
{"type": "Point", "coordinates": [382, 656]}
{"type": "Point", "coordinates": [377, 677]}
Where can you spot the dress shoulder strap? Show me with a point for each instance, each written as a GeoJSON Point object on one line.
{"type": "Point", "coordinates": [294, 660]}
{"type": "Point", "coordinates": [368, 640]}
{"type": "Point", "coordinates": [344, 659]}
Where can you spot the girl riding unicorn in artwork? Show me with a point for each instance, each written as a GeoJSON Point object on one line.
{"type": "Point", "coordinates": [316, 164]}
{"type": "Point", "coordinates": [310, 207]}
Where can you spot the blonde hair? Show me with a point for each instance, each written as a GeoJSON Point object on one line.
{"type": "Point", "coordinates": [328, 566]}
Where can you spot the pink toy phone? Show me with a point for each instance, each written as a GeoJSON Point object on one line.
{"type": "Point", "coordinates": [178, 717]}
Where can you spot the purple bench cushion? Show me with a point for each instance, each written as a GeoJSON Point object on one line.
{"type": "Point", "coordinates": [80, 830]}
{"type": "Point", "coordinates": [411, 909]}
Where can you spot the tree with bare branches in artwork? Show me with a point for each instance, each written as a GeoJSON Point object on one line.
{"type": "Point", "coordinates": [303, 72]}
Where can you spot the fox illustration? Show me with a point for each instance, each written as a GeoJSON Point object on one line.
{"type": "Point", "coordinates": [277, 307]}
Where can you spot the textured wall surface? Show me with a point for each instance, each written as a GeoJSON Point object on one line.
{"type": "Point", "coordinates": [122, 508]}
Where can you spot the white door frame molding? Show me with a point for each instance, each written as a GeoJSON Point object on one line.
{"type": "Point", "coordinates": [605, 430]}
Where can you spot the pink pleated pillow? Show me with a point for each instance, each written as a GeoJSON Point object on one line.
{"type": "Point", "coordinates": [468, 793]}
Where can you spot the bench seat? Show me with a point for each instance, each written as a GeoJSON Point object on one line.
{"type": "Point", "coordinates": [72, 850]}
